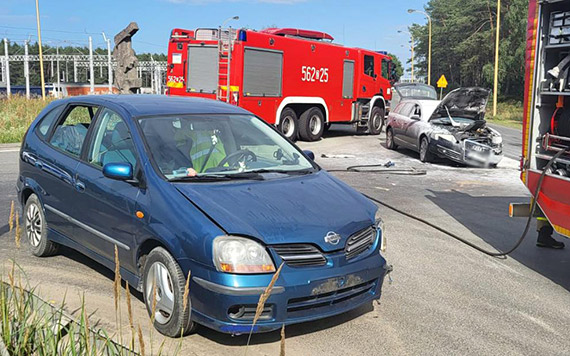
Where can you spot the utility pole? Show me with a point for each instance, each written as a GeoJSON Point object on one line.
{"type": "Point", "coordinates": [229, 64]}
{"type": "Point", "coordinates": [412, 48]}
{"type": "Point", "coordinates": [8, 87]}
{"type": "Point", "coordinates": [109, 63]}
{"type": "Point", "coordinates": [41, 54]}
{"type": "Point", "coordinates": [91, 71]}
{"type": "Point", "coordinates": [410, 11]}
{"type": "Point", "coordinates": [57, 65]}
{"type": "Point", "coordinates": [152, 75]}
{"type": "Point", "coordinates": [74, 70]}
{"type": "Point", "coordinates": [27, 68]}
{"type": "Point", "coordinates": [496, 79]}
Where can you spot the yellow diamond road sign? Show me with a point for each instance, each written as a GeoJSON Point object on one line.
{"type": "Point", "coordinates": [442, 82]}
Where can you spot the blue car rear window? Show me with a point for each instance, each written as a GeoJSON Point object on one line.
{"type": "Point", "coordinates": [45, 123]}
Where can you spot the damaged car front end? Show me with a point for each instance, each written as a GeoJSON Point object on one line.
{"type": "Point", "coordinates": [458, 131]}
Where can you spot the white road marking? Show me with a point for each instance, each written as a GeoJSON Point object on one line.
{"type": "Point", "coordinates": [10, 150]}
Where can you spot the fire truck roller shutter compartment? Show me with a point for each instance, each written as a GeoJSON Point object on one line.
{"type": "Point", "coordinates": [348, 80]}
{"type": "Point", "coordinates": [202, 69]}
{"type": "Point", "coordinates": [262, 72]}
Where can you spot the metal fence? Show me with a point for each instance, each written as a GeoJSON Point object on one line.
{"type": "Point", "coordinates": [152, 72]}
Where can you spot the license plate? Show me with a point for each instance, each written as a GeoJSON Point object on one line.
{"type": "Point", "coordinates": [476, 151]}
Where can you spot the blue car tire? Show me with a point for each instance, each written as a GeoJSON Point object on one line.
{"type": "Point", "coordinates": [163, 276]}
{"type": "Point", "coordinates": [36, 228]}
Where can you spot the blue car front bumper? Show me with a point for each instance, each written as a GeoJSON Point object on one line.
{"type": "Point", "coordinates": [227, 302]}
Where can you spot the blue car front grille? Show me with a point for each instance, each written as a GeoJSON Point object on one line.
{"type": "Point", "coordinates": [329, 299]}
{"type": "Point", "coordinates": [359, 242]}
{"type": "Point", "coordinates": [300, 255]}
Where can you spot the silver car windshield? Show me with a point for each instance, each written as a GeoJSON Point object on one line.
{"type": "Point", "coordinates": [418, 91]}
{"type": "Point", "coordinates": [211, 145]}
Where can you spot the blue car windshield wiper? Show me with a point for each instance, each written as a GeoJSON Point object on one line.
{"type": "Point", "coordinates": [218, 177]}
{"type": "Point", "coordinates": [283, 171]}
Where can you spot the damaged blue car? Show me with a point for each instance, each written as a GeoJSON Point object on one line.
{"type": "Point", "coordinates": [187, 188]}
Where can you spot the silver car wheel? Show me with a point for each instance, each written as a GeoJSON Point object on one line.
{"type": "Point", "coordinates": [34, 225]}
{"type": "Point", "coordinates": [423, 150]}
{"type": "Point", "coordinates": [159, 279]}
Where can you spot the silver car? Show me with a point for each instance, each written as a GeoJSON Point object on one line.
{"type": "Point", "coordinates": [453, 128]}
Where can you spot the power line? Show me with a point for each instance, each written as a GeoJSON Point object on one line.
{"type": "Point", "coordinates": [60, 31]}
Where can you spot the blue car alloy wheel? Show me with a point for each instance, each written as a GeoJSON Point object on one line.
{"type": "Point", "coordinates": [203, 202]}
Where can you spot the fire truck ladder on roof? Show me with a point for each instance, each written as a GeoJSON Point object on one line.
{"type": "Point", "coordinates": [225, 46]}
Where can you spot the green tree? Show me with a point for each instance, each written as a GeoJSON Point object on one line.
{"type": "Point", "coordinates": [397, 64]}
{"type": "Point", "coordinates": [463, 38]}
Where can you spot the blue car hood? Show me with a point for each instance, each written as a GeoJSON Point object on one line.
{"type": "Point", "coordinates": [294, 209]}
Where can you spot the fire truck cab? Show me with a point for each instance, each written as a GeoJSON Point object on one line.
{"type": "Point", "coordinates": [296, 79]}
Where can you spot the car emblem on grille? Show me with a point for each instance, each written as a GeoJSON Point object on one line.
{"type": "Point", "coordinates": [332, 238]}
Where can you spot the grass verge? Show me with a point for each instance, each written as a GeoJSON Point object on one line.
{"type": "Point", "coordinates": [16, 114]}
{"type": "Point", "coordinates": [509, 113]}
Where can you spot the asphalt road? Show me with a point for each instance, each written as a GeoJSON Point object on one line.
{"type": "Point", "coordinates": [445, 298]}
{"type": "Point", "coordinates": [512, 145]}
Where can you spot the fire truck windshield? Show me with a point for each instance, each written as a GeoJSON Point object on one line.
{"type": "Point", "coordinates": [208, 145]}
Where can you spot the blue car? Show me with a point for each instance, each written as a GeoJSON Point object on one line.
{"type": "Point", "coordinates": [193, 187]}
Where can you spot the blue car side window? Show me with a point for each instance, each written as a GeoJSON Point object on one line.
{"type": "Point", "coordinates": [45, 123]}
{"type": "Point", "coordinates": [112, 141]}
{"type": "Point", "coordinates": [70, 133]}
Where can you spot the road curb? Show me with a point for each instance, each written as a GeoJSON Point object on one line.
{"type": "Point", "coordinates": [10, 147]}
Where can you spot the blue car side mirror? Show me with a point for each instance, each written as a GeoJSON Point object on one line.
{"type": "Point", "coordinates": [118, 171]}
{"type": "Point", "coordinates": [309, 154]}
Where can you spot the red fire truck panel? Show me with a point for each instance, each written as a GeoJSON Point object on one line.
{"type": "Point", "coordinates": [289, 77]}
{"type": "Point", "coordinates": [546, 122]}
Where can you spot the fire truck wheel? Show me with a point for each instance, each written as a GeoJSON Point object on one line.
{"type": "Point", "coordinates": [376, 121]}
{"type": "Point", "coordinates": [311, 124]}
{"type": "Point", "coordinates": [288, 124]}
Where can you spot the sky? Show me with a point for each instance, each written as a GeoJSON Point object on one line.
{"type": "Point", "coordinates": [370, 24]}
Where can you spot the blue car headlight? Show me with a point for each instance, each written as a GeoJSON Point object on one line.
{"type": "Point", "coordinates": [235, 254]}
{"type": "Point", "coordinates": [380, 228]}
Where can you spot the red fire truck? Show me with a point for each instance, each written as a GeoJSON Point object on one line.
{"type": "Point", "coordinates": [295, 79]}
{"type": "Point", "coordinates": [546, 126]}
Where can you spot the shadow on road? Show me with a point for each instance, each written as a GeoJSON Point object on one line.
{"type": "Point", "coordinates": [67, 252]}
{"type": "Point", "coordinates": [436, 160]}
{"type": "Point", "coordinates": [341, 130]}
{"type": "Point", "coordinates": [487, 218]}
{"type": "Point", "coordinates": [226, 339]}
{"type": "Point", "coordinates": [291, 330]}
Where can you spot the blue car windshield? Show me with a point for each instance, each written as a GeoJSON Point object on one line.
{"type": "Point", "coordinates": [211, 145]}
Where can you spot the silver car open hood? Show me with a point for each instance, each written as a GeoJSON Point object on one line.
{"type": "Point", "coordinates": [463, 102]}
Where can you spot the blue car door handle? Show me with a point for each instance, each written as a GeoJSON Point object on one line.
{"type": "Point", "coordinates": [79, 186]}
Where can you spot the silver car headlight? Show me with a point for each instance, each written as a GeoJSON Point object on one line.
{"type": "Point", "coordinates": [445, 137]}
{"type": "Point", "coordinates": [235, 254]}
{"type": "Point", "coordinates": [380, 227]}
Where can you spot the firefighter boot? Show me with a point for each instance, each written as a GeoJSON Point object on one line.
{"type": "Point", "coordinates": [545, 238]}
